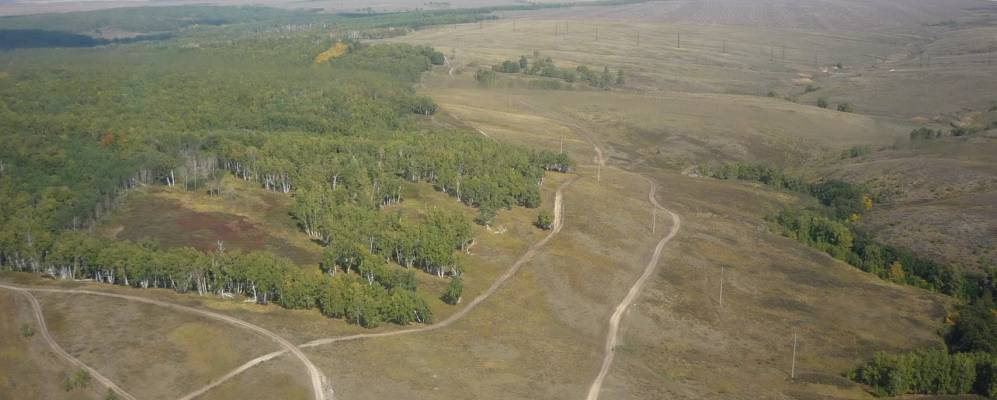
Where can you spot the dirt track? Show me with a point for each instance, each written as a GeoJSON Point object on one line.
{"type": "Point", "coordinates": [318, 380]}
{"type": "Point", "coordinates": [614, 320]}
{"type": "Point", "coordinates": [501, 281]}
{"type": "Point", "coordinates": [58, 349]}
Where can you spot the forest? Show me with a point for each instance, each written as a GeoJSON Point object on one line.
{"type": "Point", "coordinates": [339, 137]}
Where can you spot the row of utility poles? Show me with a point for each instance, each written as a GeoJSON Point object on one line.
{"type": "Point", "coordinates": [564, 31]}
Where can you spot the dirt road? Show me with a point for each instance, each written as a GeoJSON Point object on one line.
{"type": "Point", "coordinates": [43, 328]}
{"type": "Point", "coordinates": [614, 320]}
{"type": "Point", "coordinates": [450, 66]}
{"type": "Point", "coordinates": [501, 281]}
{"type": "Point", "coordinates": [319, 383]}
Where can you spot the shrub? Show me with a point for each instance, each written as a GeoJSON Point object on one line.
{"type": "Point", "coordinates": [507, 66]}
{"type": "Point", "coordinates": [437, 58]}
{"type": "Point", "coordinates": [485, 216]}
{"type": "Point", "coordinates": [26, 330]}
{"type": "Point", "coordinates": [544, 221]}
{"type": "Point", "coordinates": [485, 77]}
{"type": "Point", "coordinates": [822, 102]}
{"type": "Point", "coordinates": [845, 107]}
{"type": "Point", "coordinates": [451, 294]}
{"type": "Point", "coordinates": [961, 131]}
{"type": "Point", "coordinates": [810, 89]}
{"type": "Point", "coordinates": [923, 133]}
{"type": "Point", "coordinates": [856, 151]}
{"type": "Point", "coordinates": [79, 379]}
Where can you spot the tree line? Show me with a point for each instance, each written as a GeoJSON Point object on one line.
{"type": "Point", "coordinates": [831, 227]}
{"type": "Point", "coordinates": [367, 293]}
{"type": "Point", "coordinates": [925, 133]}
{"type": "Point", "coordinates": [543, 66]}
{"type": "Point", "coordinates": [968, 366]}
{"type": "Point", "coordinates": [930, 372]}
{"type": "Point", "coordinates": [970, 363]}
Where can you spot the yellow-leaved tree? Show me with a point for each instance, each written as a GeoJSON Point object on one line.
{"type": "Point", "coordinates": [336, 50]}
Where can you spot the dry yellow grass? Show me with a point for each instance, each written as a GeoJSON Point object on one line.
{"type": "Point", "coordinates": [28, 368]}
{"type": "Point", "coordinates": [149, 351]}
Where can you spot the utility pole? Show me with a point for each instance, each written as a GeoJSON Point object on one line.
{"type": "Point", "coordinates": [792, 369]}
{"type": "Point", "coordinates": [722, 285]}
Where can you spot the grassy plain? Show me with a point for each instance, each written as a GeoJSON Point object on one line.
{"type": "Point", "coordinates": [29, 369]}
{"type": "Point", "coordinates": [151, 352]}
{"type": "Point", "coordinates": [681, 107]}
{"type": "Point", "coordinates": [698, 89]}
{"type": "Point", "coordinates": [938, 196]}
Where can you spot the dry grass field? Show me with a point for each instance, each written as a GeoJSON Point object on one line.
{"type": "Point", "coordinates": [152, 352]}
{"type": "Point", "coordinates": [939, 196]}
{"type": "Point", "coordinates": [699, 104]}
{"type": "Point", "coordinates": [898, 59]}
{"type": "Point", "coordinates": [30, 369]}
{"type": "Point", "coordinates": [26, 7]}
{"type": "Point", "coordinates": [681, 343]}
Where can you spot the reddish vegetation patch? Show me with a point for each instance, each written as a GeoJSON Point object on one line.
{"type": "Point", "coordinates": [172, 225]}
{"type": "Point", "coordinates": [206, 229]}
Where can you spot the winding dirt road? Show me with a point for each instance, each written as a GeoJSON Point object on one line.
{"type": "Point", "coordinates": [58, 349]}
{"type": "Point", "coordinates": [501, 281]}
{"type": "Point", "coordinates": [614, 320]}
{"type": "Point", "coordinates": [318, 380]}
